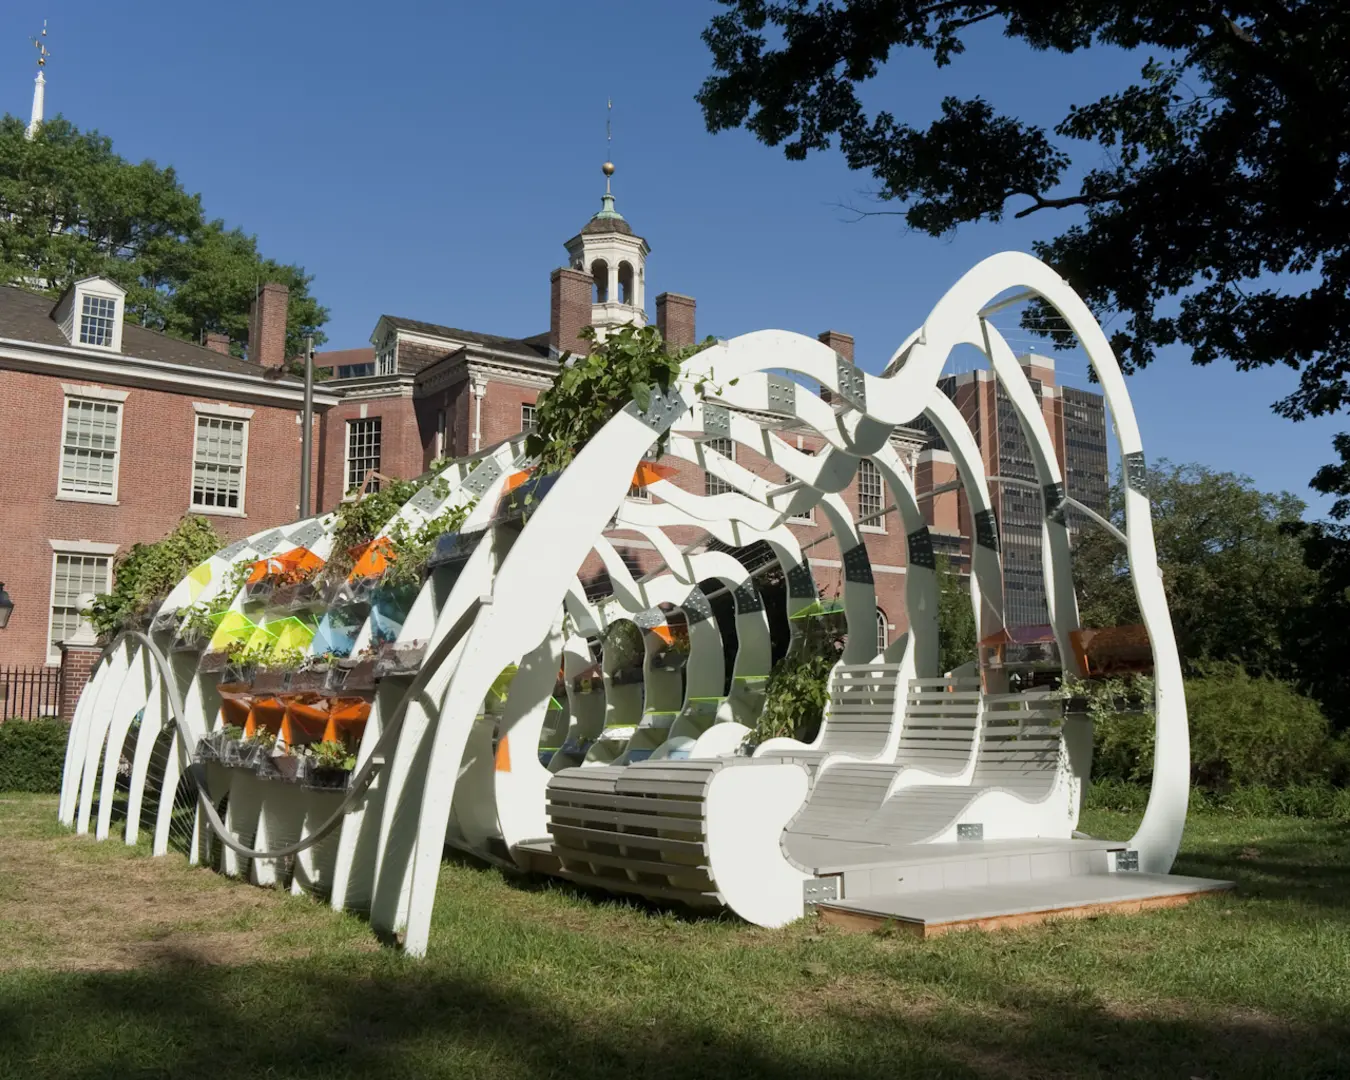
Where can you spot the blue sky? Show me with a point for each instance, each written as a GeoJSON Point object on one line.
{"type": "Point", "coordinates": [431, 163]}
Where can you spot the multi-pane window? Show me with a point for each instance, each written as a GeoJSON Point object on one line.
{"type": "Point", "coordinates": [527, 421]}
{"type": "Point", "coordinates": [715, 485]}
{"type": "Point", "coordinates": [882, 641]}
{"type": "Point", "coordinates": [363, 451]}
{"type": "Point", "coordinates": [355, 371]}
{"type": "Point", "coordinates": [89, 448]}
{"type": "Point", "coordinates": [72, 575]}
{"type": "Point", "coordinates": [386, 363]}
{"type": "Point", "coordinates": [218, 464]}
{"type": "Point", "coordinates": [871, 501]}
{"type": "Point", "coordinates": [808, 518]}
{"type": "Point", "coordinates": [98, 316]}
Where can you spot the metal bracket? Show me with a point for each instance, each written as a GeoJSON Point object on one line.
{"type": "Point", "coordinates": [229, 553]}
{"type": "Point", "coordinates": [782, 394]}
{"type": "Point", "coordinates": [425, 499]}
{"type": "Point", "coordinates": [920, 543]}
{"type": "Point", "coordinates": [801, 583]}
{"type": "Point", "coordinates": [747, 598]}
{"type": "Point", "coordinates": [1136, 472]}
{"type": "Point", "coordinates": [986, 530]}
{"type": "Point", "coordinates": [696, 607]}
{"type": "Point", "coordinates": [814, 890]}
{"type": "Point", "coordinates": [265, 545]}
{"type": "Point", "coordinates": [973, 831]}
{"type": "Point", "coordinates": [665, 407]}
{"type": "Point", "coordinates": [852, 383]}
{"type": "Point", "coordinates": [1055, 498]}
{"type": "Point", "coordinates": [1127, 861]}
{"type": "Point", "coordinates": [649, 619]}
{"type": "Point", "coordinates": [716, 421]}
{"type": "Point", "coordinates": [482, 477]}
{"type": "Point", "coordinates": [857, 566]}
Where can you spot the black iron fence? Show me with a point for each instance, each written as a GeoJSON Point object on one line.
{"type": "Point", "coordinates": [30, 692]}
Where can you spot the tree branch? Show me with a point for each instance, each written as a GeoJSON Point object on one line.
{"type": "Point", "coordinates": [1043, 203]}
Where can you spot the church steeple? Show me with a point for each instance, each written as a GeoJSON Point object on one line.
{"type": "Point", "coordinates": [615, 257]}
{"type": "Point", "coordinates": [39, 84]}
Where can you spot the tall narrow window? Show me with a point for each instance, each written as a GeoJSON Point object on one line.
{"type": "Point", "coordinates": [441, 440]}
{"type": "Point", "coordinates": [386, 363]}
{"type": "Point", "coordinates": [527, 421]}
{"type": "Point", "coordinates": [715, 485]}
{"type": "Point", "coordinates": [73, 574]}
{"type": "Point", "coordinates": [363, 451]}
{"type": "Point", "coordinates": [218, 464]}
{"type": "Point", "coordinates": [98, 315]}
{"type": "Point", "coordinates": [89, 448]}
{"type": "Point", "coordinates": [881, 632]}
{"type": "Point", "coordinates": [871, 500]}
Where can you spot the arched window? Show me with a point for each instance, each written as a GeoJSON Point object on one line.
{"type": "Point", "coordinates": [599, 282]}
{"type": "Point", "coordinates": [626, 295]}
{"type": "Point", "coordinates": [882, 636]}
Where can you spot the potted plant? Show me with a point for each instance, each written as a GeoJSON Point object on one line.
{"type": "Point", "coordinates": [274, 673]}
{"type": "Point", "coordinates": [229, 745]}
{"type": "Point", "coordinates": [330, 766]}
{"type": "Point", "coordinates": [313, 674]}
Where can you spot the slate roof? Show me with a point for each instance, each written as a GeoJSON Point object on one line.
{"type": "Point", "coordinates": [27, 316]}
{"type": "Point", "coordinates": [530, 348]}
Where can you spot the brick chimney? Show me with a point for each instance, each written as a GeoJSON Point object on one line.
{"type": "Point", "coordinates": [267, 326]}
{"type": "Point", "coordinates": [569, 309]}
{"type": "Point", "coordinates": [843, 345]}
{"type": "Point", "coordinates": [218, 342]}
{"type": "Point", "coordinates": [675, 319]}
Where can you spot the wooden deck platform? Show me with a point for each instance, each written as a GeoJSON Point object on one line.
{"type": "Point", "coordinates": [927, 914]}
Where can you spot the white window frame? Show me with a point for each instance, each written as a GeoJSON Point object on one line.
{"type": "Point", "coordinates": [84, 548]}
{"type": "Point", "coordinates": [709, 480]}
{"type": "Point", "coordinates": [207, 410]}
{"type": "Point", "coordinates": [347, 485]}
{"type": "Point", "coordinates": [878, 524]}
{"type": "Point", "coordinates": [883, 632]}
{"type": "Point", "coordinates": [114, 342]}
{"type": "Point", "coordinates": [107, 397]}
{"type": "Point", "coordinates": [809, 518]}
{"type": "Point", "coordinates": [386, 359]}
{"type": "Point", "coordinates": [528, 419]}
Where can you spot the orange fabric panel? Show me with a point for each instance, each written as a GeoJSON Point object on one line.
{"type": "Point", "coordinates": [649, 472]}
{"type": "Point", "coordinates": [267, 712]}
{"type": "Point", "coordinates": [235, 710]}
{"type": "Point", "coordinates": [503, 756]}
{"type": "Point", "coordinates": [515, 480]}
{"type": "Point", "coordinates": [304, 722]}
{"type": "Point", "coordinates": [372, 559]}
{"type": "Point", "coordinates": [347, 721]}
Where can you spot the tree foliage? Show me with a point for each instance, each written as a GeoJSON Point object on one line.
{"type": "Point", "coordinates": [957, 643]}
{"type": "Point", "coordinates": [1212, 208]}
{"type": "Point", "coordinates": [71, 207]}
{"type": "Point", "coordinates": [1232, 561]}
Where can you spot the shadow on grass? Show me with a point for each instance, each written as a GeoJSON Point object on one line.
{"type": "Point", "coordinates": [181, 1019]}
{"type": "Point", "coordinates": [1313, 869]}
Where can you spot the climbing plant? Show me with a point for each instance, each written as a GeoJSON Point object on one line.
{"type": "Point", "coordinates": [799, 685]}
{"type": "Point", "coordinates": [146, 573]}
{"type": "Point", "coordinates": [362, 518]}
{"type": "Point", "coordinates": [589, 390]}
{"type": "Point", "coordinates": [413, 546]}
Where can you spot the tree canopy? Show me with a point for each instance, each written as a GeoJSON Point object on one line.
{"type": "Point", "coordinates": [71, 207]}
{"type": "Point", "coordinates": [1212, 209]}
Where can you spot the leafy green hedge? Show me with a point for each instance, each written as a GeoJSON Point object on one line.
{"type": "Point", "coordinates": [32, 754]}
{"type": "Point", "coordinates": [1299, 800]}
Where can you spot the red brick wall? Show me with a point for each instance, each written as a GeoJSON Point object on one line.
{"type": "Point", "coordinates": [267, 326]}
{"type": "Point", "coordinates": [675, 318]}
{"type": "Point", "coordinates": [401, 443]}
{"type": "Point", "coordinates": [569, 309]}
{"type": "Point", "coordinates": [501, 410]}
{"type": "Point", "coordinates": [77, 664]}
{"type": "Point", "coordinates": [154, 488]}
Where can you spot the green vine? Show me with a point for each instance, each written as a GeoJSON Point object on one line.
{"type": "Point", "coordinates": [361, 519]}
{"type": "Point", "coordinates": [332, 755]}
{"type": "Point", "coordinates": [199, 619]}
{"type": "Point", "coordinates": [589, 390]}
{"type": "Point", "coordinates": [145, 574]}
{"type": "Point", "coordinates": [413, 546]}
{"type": "Point", "coordinates": [799, 685]}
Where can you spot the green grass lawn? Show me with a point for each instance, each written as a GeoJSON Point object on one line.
{"type": "Point", "coordinates": [113, 964]}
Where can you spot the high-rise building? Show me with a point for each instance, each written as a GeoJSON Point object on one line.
{"type": "Point", "coordinates": [1077, 423]}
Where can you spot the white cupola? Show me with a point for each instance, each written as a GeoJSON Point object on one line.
{"type": "Point", "coordinates": [615, 258]}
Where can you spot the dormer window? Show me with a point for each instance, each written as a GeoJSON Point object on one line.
{"type": "Point", "coordinates": [98, 320]}
{"type": "Point", "coordinates": [90, 314]}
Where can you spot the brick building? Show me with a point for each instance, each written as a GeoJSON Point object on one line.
{"type": "Point", "coordinates": [111, 433]}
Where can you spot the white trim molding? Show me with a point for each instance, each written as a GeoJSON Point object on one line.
{"type": "Point", "coordinates": [90, 391]}
{"type": "Point", "coordinates": [214, 408]}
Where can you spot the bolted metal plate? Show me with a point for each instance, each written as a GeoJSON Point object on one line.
{"type": "Point", "coordinates": [782, 394]}
{"type": "Point", "coordinates": [230, 553]}
{"type": "Point", "coordinates": [852, 387]}
{"type": "Point", "coordinates": [801, 585]}
{"type": "Point", "coordinates": [814, 890]}
{"type": "Point", "coordinates": [649, 619]}
{"type": "Point", "coordinates": [308, 536]}
{"type": "Point", "coordinates": [1054, 496]}
{"type": "Point", "coordinates": [716, 421]}
{"type": "Point", "coordinates": [1136, 472]}
{"type": "Point", "coordinates": [696, 607]}
{"type": "Point", "coordinates": [425, 500]}
{"type": "Point", "coordinates": [265, 545]}
{"type": "Point", "coordinates": [483, 476]}
{"type": "Point", "coordinates": [1127, 861]}
{"type": "Point", "coordinates": [665, 407]}
{"type": "Point", "coordinates": [857, 566]}
{"type": "Point", "coordinates": [974, 831]}
{"type": "Point", "coordinates": [920, 543]}
{"type": "Point", "coordinates": [747, 599]}
{"type": "Point", "coordinates": [986, 530]}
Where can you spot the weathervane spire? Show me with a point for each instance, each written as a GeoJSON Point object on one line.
{"type": "Point", "coordinates": [608, 167]}
{"type": "Point", "coordinates": [39, 84]}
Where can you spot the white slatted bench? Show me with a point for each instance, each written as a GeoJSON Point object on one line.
{"type": "Point", "coordinates": [937, 745]}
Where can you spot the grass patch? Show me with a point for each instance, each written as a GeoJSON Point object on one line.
{"type": "Point", "coordinates": [114, 964]}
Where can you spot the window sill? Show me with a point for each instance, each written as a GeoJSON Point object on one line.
{"type": "Point", "coordinates": [216, 511]}
{"type": "Point", "coordinates": [801, 521]}
{"type": "Point", "coordinates": [101, 500]}
{"type": "Point", "coordinates": [878, 529]}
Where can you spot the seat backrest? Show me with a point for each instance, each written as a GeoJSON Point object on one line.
{"type": "Point", "coordinates": [863, 700]}
{"type": "Point", "coordinates": [1021, 741]}
{"type": "Point", "coordinates": [942, 719]}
